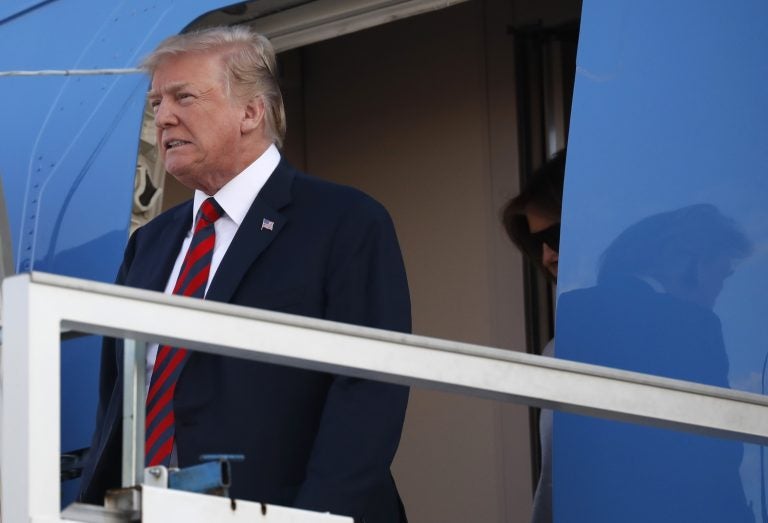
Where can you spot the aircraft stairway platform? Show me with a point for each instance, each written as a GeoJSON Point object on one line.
{"type": "Point", "coordinates": [39, 307]}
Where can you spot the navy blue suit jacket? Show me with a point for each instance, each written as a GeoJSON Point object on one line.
{"type": "Point", "coordinates": [311, 440]}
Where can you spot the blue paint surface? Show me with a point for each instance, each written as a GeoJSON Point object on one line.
{"type": "Point", "coordinates": [69, 147]}
{"type": "Point", "coordinates": [664, 257]}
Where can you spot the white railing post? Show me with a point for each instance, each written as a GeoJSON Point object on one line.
{"type": "Point", "coordinates": [134, 379]}
{"type": "Point", "coordinates": [30, 405]}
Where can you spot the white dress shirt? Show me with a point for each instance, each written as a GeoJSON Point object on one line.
{"type": "Point", "coordinates": [235, 198]}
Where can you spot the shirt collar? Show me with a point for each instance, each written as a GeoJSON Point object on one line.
{"type": "Point", "coordinates": [237, 196]}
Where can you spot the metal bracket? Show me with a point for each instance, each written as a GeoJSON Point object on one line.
{"type": "Point", "coordinates": [156, 476]}
{"type": "Point", "coordinates": [120, 506]}
{"type": "Point", "coordinates": [212, 477]}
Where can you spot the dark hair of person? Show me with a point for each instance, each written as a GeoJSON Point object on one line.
{"type": "Point", "coordinates": [544, 190]}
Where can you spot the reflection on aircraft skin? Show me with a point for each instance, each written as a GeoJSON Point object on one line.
{"type": "Point", "coordinates": [651, 312]}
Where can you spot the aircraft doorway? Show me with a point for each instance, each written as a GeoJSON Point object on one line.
{"type": "Point", "coordinates": [424, 115]}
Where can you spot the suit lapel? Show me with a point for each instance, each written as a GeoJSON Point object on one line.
{"type": "Point", "coordinates": [252, 238]}
{"type": "Point", "coordinates": [261, 225]}
{"type": "Point", "coordinates": [155, 269]}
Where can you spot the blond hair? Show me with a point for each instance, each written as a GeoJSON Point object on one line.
{"type": "Point", "coordinates": [249, 63]}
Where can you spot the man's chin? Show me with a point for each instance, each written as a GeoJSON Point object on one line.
{"type": "Point", "coordinates": [183, 176]}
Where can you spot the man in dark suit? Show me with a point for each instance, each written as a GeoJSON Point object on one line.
{"type": "Point", "coordinates": [284, 241]}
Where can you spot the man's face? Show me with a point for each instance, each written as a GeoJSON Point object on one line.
{"type": "Point", "coordinates": [198, 125]}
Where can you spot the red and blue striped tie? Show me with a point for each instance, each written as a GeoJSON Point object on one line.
{"type": "Point", "coordinates": [192, 280]}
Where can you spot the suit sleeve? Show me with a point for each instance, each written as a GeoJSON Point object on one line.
{"type": "Point", "coordinates": [362, 419]}
{"type": "Point", "coordinates": [99, 473]}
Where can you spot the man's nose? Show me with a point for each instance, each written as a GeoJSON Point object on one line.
{"type": "Point", "coordinates": [164, 115]}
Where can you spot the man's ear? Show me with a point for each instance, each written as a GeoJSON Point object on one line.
{"type": "Point", "coordinates": [253, 115]}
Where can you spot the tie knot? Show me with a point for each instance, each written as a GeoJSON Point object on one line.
{"type": "Point", "coordinates": [211, 211]}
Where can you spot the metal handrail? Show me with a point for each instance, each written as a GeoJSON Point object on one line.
{"type": "Point", "coordinates": [44, 304]}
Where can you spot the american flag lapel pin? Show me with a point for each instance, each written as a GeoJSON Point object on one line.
{"type": "Point", "coordinates": [267, 224]}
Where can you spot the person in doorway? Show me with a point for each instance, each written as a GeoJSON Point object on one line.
{"type": "Point", "coordinates": [532, 221]}
{"type": "Point", "coordinates": [261, 234]}
{"type": "Point", "coordinates": [532, 218]}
